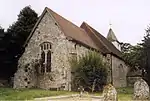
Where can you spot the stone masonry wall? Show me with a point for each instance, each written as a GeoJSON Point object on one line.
{"type": "Point", "coordinates": [119, 72]}
{"type": "Point", "coordinates": [60, 76]}
{"type": "Point", "coordinates": [47, 31]}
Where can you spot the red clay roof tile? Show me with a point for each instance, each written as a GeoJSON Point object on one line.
{"type": "Point", "coordinates": [104, 45]}
{"type": "Point", "coordinates": [73, 31]}
{"type": "Point", "coordinates": [85, 34]}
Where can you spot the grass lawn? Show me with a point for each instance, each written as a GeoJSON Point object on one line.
{"type": "Point", "coordinates": [28, 94]}
{"type": "Point", "coordinates": [124, 94]}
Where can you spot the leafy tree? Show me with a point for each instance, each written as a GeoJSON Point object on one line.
{"type": "Point", "coordinates": [89, 71]}
{"type": "Point", "coordinates": [17, 34]}
{"type": "Point", "coordinates": [125, 47]}
{"type": "Point", "coordinates": [4, 56]}
{"type": "Point", "coordinates": [2, 44]}
{"type": "Point", "coordinates": [20, 30]}
{"type": "Point", "coordinates": [138, 56]}
{"type": "Point", "coordinates": [146, 54]}
{"type": "Point", "coordinates": [132, 56]}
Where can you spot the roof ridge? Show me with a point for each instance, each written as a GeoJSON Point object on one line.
{"type": "Point", "coordinates": [88, 39]}
{"type": "Point", "coordinates": [96, 35]}
{"type": "Point", "coordinates": [108, 42]}
{"type": "Point", "coordinates": [63, 17]}
{"type": "Point", "coordinates": [76, 32]}
{"type": "Point", "coordinates": [106, 45]}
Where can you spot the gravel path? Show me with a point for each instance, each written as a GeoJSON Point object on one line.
{"type": "Point", "coordinates": [71, 98]}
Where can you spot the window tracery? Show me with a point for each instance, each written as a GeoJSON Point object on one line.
{"type": "Point", "coordinates": [45, 57]}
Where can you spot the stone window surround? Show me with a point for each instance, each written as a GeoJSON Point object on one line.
{"type": "Point", "coordinates": [45, 47]}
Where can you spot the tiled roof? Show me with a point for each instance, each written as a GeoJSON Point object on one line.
{"type": "Point", "coordinates": [85, 34]}
{"type": "Point", "coordinates": [91, 34]}
{"type": "Point", "coordinates": [104, 45]}
{"type": "Point", "coordinates": [73, 31]}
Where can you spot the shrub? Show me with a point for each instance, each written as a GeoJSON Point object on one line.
{"type": "Point", "coordinates": [89, 71]}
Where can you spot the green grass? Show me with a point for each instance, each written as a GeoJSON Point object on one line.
{"type": "Point", "coordinates": [124, 94]}
{"type": "Point", "coordinates": [28, 94]}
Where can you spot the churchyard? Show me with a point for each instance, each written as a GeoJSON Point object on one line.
{"type": "Point", "coordinates": [56, 60]}
{"type": "Point", "coordinates": [139, 92]}
{"type": "Point", "coordinates": [124, 94]}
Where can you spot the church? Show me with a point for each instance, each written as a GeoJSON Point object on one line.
{"type": "Point", "coordinates": [53, 40]}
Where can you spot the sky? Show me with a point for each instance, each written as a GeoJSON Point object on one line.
{"type": "Point", "coordinates": [129, 18]}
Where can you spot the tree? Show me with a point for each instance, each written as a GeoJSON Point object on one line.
{"type": "Point", "coordinates": [24, 24]}
{"type": "Point", "coordinates": [138, 56]}
{"type": "Point", "coordinates": [146, 54]}
{"type": "Point", "coordinates": [133, 55]}
{"type": "Point", "coordinates": [21, 29]}
{"type": "Point", "coordinates": [90, 72]}
{"type": "Point", "coordinates": [125, 47]}
{"type": "Point", "coordinates": [17, 34]}
{"type": "Point", "coordinates": [3, 54]}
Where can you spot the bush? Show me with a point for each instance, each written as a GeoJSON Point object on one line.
{"type": "Point", "coordinates": [89, 71]}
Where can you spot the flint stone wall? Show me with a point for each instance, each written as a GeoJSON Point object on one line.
{"type": "Point", "coordinates": [49, 31]}
{"type": "Point", "coordinates": [62, 49]}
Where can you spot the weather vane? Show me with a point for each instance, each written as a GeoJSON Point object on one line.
{"type": "Point", "coordinates": [110, 25]}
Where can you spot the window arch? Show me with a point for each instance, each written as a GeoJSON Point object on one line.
{"type": "Point", "coordinates": [45, 57]}
{"type": "Point", "coordinates": [45, 46]}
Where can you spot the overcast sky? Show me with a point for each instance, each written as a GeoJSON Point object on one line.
{"type": "Point", "coordinates": [129, 18]}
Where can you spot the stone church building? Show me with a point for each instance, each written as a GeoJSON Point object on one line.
{"type": "Point", "coordinates": [53, 40]}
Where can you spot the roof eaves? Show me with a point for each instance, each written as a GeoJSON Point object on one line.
{"type": "Point", "coordinates": [82, 44]}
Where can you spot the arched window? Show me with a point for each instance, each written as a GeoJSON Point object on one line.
{"type": "Point", "coordinates": [50, 47]}
{"type": "Point", "coordinates": [47, 46]}
{"type": "Point", "coordinates": [45, 57]}
{"type": "Point", "coordinates": [44, 46]}
{"type": "Point", "coordinates": [48, 66]}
